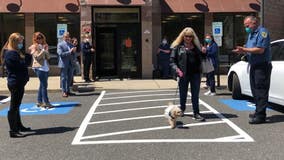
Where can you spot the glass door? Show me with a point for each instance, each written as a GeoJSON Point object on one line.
{"type": "Point", "coordinates": [129, 49]}
{"type": "Point", "coordinates": [106, 51]}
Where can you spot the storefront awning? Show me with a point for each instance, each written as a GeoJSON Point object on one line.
{"type": "Point", "coordinates": [115, 2]}
{"type": "Point", "coordinates": [189, 6]}
{"type": "Point", "coordinates": [40, 6]}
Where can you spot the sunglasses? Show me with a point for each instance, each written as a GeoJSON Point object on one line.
{"type": "Point", "coordinates": [188, 36]}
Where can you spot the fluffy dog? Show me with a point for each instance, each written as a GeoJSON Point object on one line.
{"type": "Point", "coordinates": [171, 113]}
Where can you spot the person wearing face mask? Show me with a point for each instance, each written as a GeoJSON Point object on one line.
{"type": "Point", "coordinates": [211, 51]}
{"type": "Point", "coordinates": [257, 50]}
{"type": "Point", "coordinates": [164, 58]}
{"type": "Point", "coordinates": [88, 59]}
{"type": "Point", "coordinates": [17, 68]}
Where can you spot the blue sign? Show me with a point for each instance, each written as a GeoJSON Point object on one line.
{"type": "Point", "coordinates": [239, 105]}
{"type": "Point", "coordinates": [217, 31]}
{"type": "Point", "coordinates": [32, 109]}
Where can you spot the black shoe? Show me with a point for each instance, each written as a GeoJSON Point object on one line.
{"type": "Point", "coordinates": [25, 129]}
{"type": "Point", "coordinates": [15, 134]}
{"type": "Point", "coordinates": [257, 120]}
{"type": "Point", "coordinates": [88, 81]}
{"type": "Point", "coordinates": [198, 117]}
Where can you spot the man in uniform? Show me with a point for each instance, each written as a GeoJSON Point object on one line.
{"type": "Point", "coordinates": [257, 49]}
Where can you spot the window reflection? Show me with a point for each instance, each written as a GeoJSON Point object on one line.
{"type": "Point", "coordinates": [47, 24]}
{"type": "Point", "coordinates": [11, 23]}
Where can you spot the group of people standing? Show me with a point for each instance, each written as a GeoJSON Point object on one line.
{"type": "Point", "coordinates": [186, 54]}
{"type": "Point", "coordinates": [16, 63]}
{"type": "Point", "coordinates": [185, 58]}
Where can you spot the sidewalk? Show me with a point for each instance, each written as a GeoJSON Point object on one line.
{"type": "Point", "coordinates": [126, 84]}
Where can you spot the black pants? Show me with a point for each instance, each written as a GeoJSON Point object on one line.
{"type": "Point", "coordinates": [194, 81]}
{"type": "Point", "coordinates": [260, 84]}
{"type": "Point", "coordinates": [89, 60]}
{"type": "Point", "coordinates": [210, 81]}
{"type": "Point", "coordinates": [17, 93]}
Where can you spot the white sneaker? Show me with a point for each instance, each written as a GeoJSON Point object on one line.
{"type": "Point", "coordinates": [207, 93]}
{"type": "Point", "coordinates": [212, 94]}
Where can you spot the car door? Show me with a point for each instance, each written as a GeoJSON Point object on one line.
{"type": "Point", "coordinates": [276, 92]}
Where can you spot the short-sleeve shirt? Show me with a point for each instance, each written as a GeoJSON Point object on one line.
{"type": "Point", "coordinates": [259, 38]}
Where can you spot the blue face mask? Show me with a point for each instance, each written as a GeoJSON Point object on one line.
{"type": "Point", "coordinates": [248, 30]}
{"type": "Point", "coordinates": [20, 45]}
{"type": "Point", "coordinates": [207, 40]}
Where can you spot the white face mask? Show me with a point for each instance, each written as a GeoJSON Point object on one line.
{"type": "Point", "coordinates": [40, 47]}
{"type": "Point", "coordinates": [164, 41]}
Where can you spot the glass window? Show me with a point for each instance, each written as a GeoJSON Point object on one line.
{"type": "Point", "coordinates": [173, 24]}
{"type": "Point", "coordinates": [10, 23]}
{"type": "Point", "coordinates": [277, 51]}
{"type": "Point", "coordinates": [47, 24]}
{"type": "Point", "coordinates": [233, 34]}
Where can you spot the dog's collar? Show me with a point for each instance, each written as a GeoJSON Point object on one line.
{"type": "Point", "coordinates": [170, 115]}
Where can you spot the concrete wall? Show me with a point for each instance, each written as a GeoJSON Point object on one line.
{"type": "Point", "coordinates": [273, 18]}
{"type": "Point", "coordinates": [146, 40]}
{"type": "Point", "coordinates": [157, 29]}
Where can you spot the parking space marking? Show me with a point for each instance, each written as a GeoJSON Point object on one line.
{"type": "Point", "coordinates": [148, 95]}
{"type": "Point", "coordinates": [79, 139]}
{"type": "Point", "coordinates": [86, 120]}
{"type": "Point", "coordinates": [136, 118]}
{"type": "Point", "coordinates": [150, 129]}
{"type": "Point", "coordinates": [144, 91]}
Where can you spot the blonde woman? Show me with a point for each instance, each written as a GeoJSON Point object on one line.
{"type": "Point", "coordinates": [39, 51]}
{"type": "Point", "coordinates": [185, 60]}
{"type": "Point", "coordinates": [17, 69]}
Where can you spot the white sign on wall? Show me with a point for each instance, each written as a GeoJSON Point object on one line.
{"type": "Point", "coordinates": [218, 40]}
{"type": "Point", "coordinates": [61, 28]}
{"type": "Point", "coordinates": [217, 28]}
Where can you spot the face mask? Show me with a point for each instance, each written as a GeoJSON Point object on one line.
{"type": "Point", "coordinates": [248, 30]}
{"type": "Point", "coordinates": [40, 47]}
{"type": "Point", "coordinates": [207, 40]}
{"type": "Point", "coordinates": [20, 45]}
{"type": "Point", "coordinates": [164, 41]}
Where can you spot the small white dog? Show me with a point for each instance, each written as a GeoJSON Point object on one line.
{"type": "Point", "coordinates": [171, 113]}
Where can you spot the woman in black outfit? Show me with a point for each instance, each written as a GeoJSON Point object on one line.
{"type": "Point", "coordinates": [185, 60]}
{"type": "Point", "coordinates": [16, 64]}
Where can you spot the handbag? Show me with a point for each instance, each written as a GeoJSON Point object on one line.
{"type": "Point", "coordinates": [207, 65]}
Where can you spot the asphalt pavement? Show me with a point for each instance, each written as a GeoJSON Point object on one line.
{"type": "Point", "coordinates": [121, 120]}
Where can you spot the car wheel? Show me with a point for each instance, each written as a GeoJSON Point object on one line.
{"type": "Point", "coordinates": [236, 88]}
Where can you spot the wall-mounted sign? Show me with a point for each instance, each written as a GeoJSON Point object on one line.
{"type": "Point", "coordinates": [128, 43]}
{"type": "Point", "coordinates": [61, 28]}
{"type": "Point", "coordinates": [217, 28]}
{"type": "Point", "coordinates": [86, 29]}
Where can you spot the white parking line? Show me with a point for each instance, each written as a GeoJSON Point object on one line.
{"type": "Point", "coordinates": [87, 119]}
{"type": "Point", "coordinates": [142, 117]}
{"type": "Point", "coordinates": [150, 129]}
{"type": "Point", "coordinates": [141, 101]}
{"type": "Point", "coordinates": [5, 100]}
{"type": "Point", "coordinates": [151, 91]}
{"type": "Point", "coordinates": [148, 95]}
{"type": "Point", "coordinates": [80, 139]}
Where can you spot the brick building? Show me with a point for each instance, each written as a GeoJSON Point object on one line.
{"type": "Point", "coordinates": [126, 33]}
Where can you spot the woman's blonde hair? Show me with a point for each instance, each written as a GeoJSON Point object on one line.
{"type": "Point", "coordinates": [189, 32]}
{"type": "Point", "coordinates": [12, 43]}
{"type": "Point", "coordinates": [38, 35]}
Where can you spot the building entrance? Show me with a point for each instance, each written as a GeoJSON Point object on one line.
{"type": "Point", "coordinates": [118, 44]}
{"type": "Point", "coordinates": [118, 51]}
